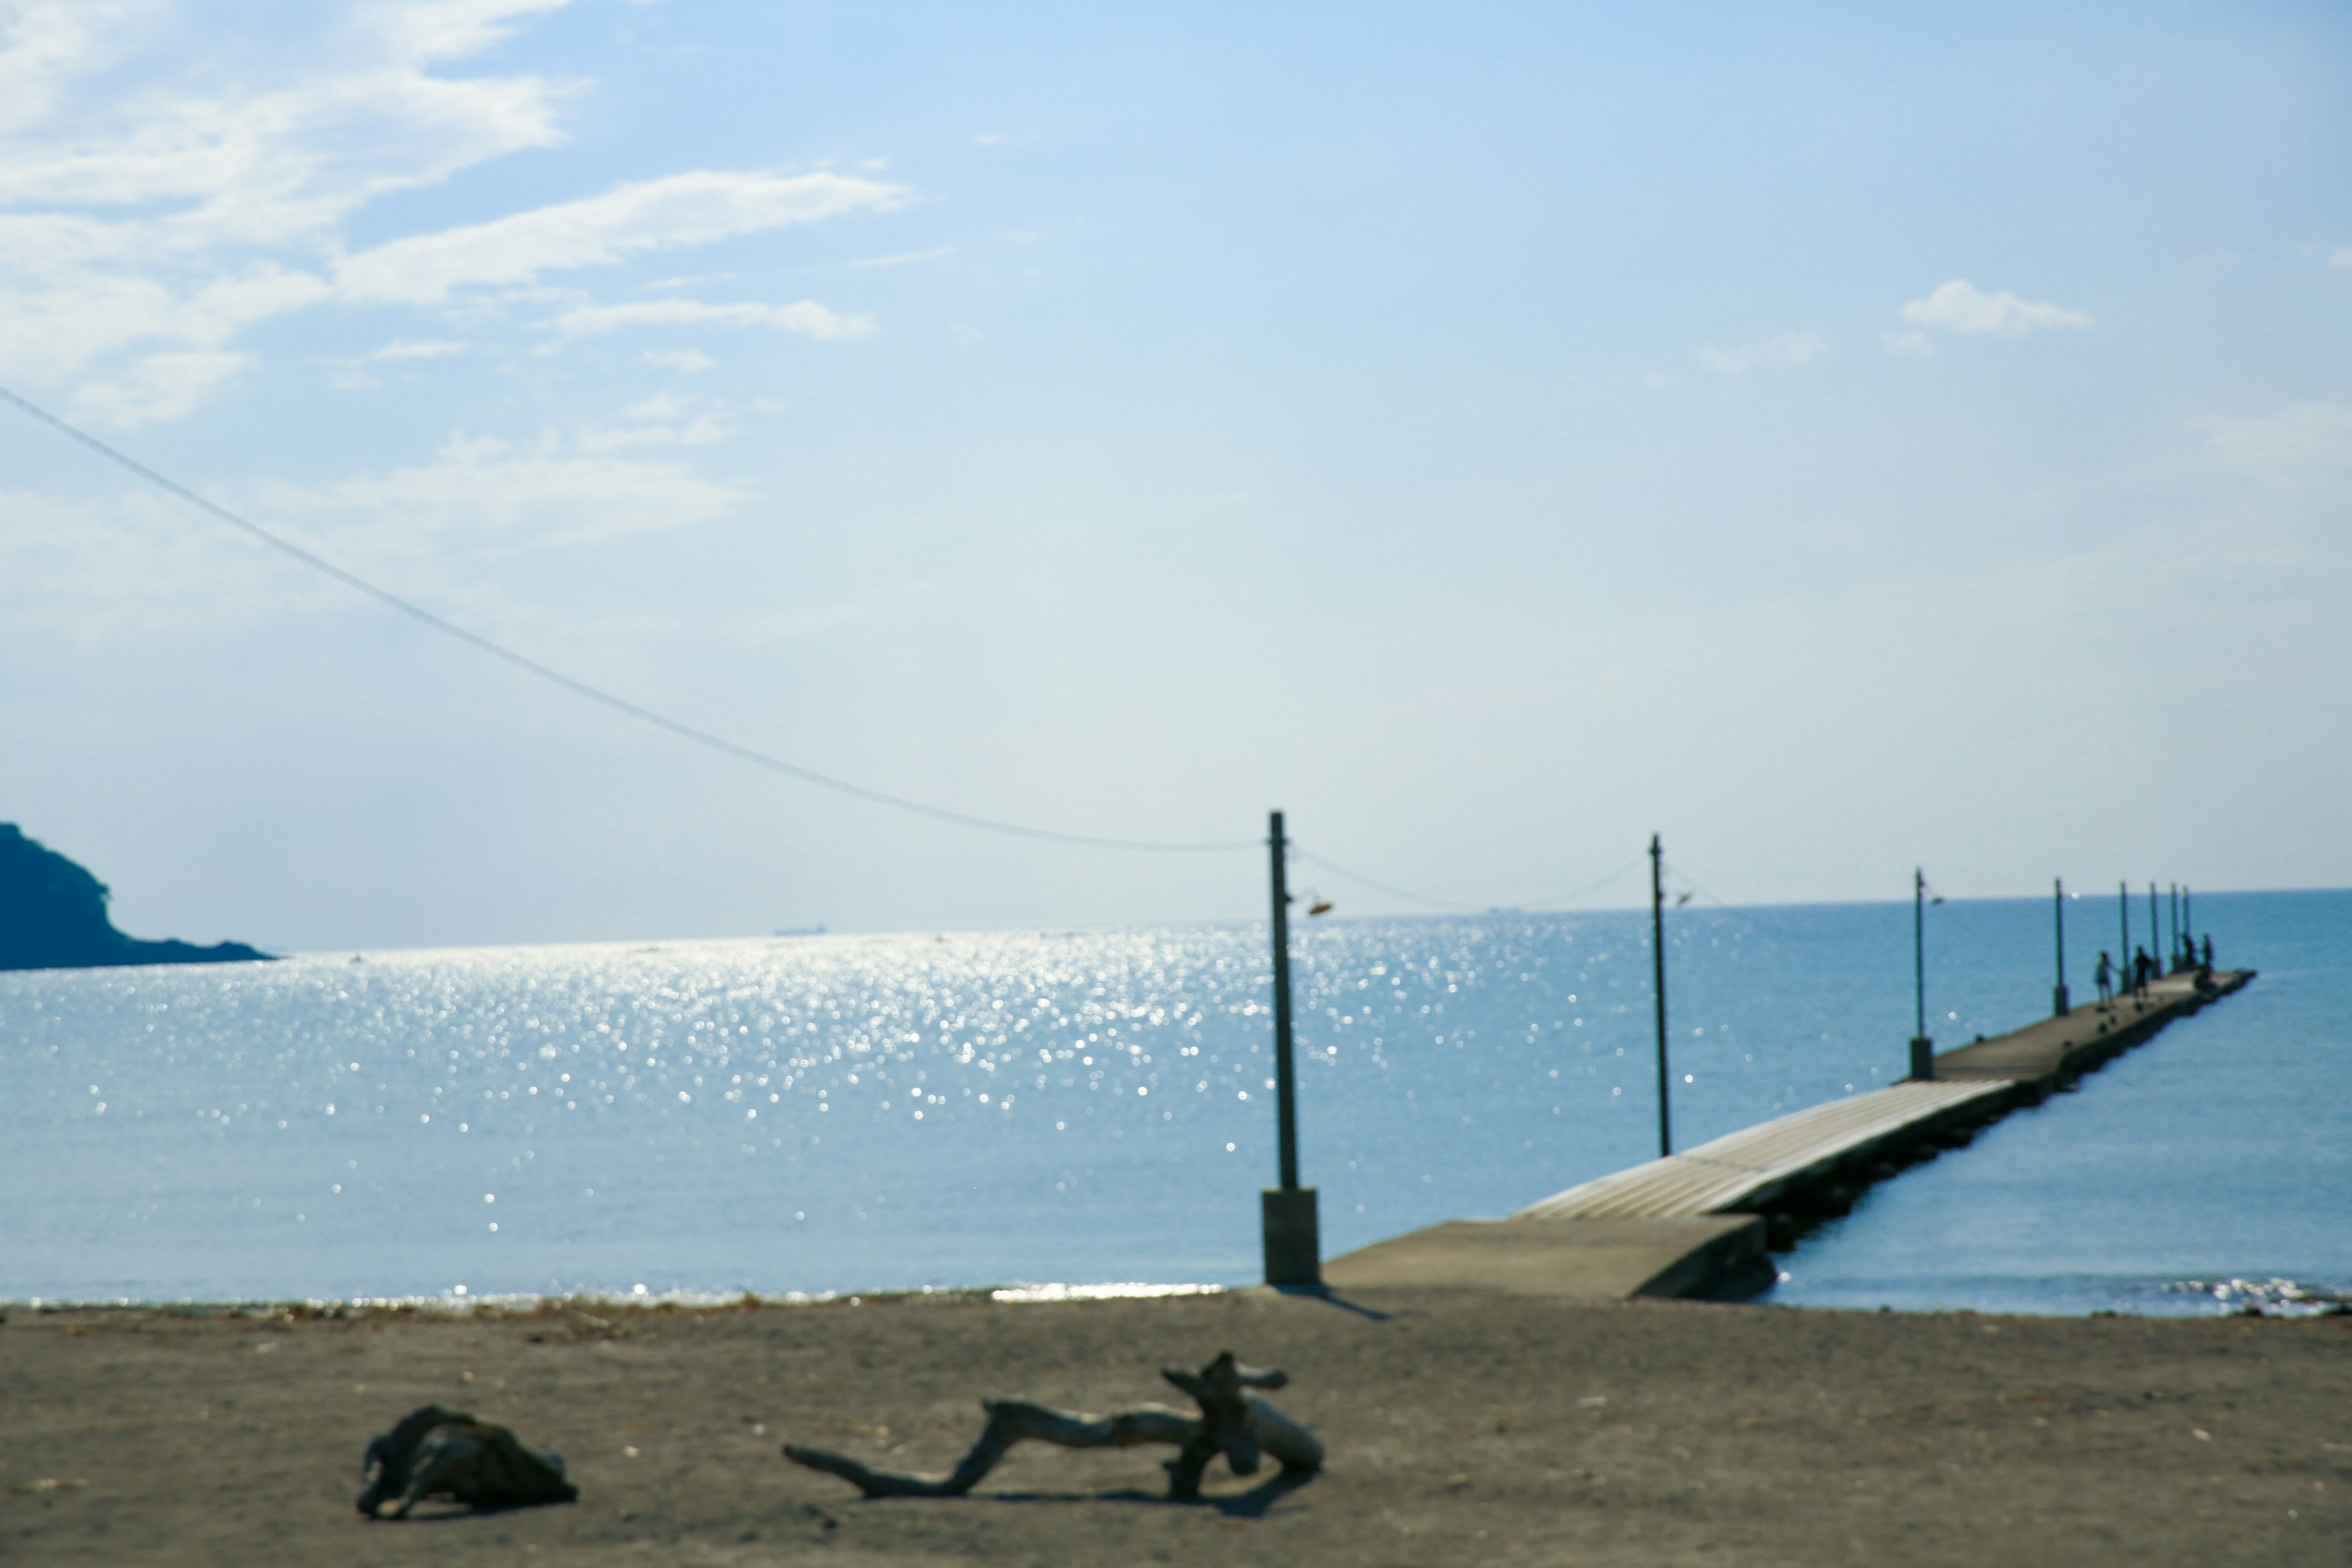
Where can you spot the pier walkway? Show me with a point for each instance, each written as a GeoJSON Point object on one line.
{"type": "Point", "coordinates": [1694, 1223]}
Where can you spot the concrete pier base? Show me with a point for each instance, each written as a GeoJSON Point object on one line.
{"type": "Point", "coordinates": [1294, 1242]}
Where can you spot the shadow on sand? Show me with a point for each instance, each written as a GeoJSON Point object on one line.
{"type": "Point", "coordinates": [1254, 1503]}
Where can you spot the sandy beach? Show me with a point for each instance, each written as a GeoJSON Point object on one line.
{"type": "Point", "coordinates": [1464, 1427]}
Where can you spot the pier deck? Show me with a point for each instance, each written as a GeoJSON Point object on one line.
{"type": "Point", "coordinates": [1673, 1227]}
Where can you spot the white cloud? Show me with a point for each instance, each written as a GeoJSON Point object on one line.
{"type": "Point", "coordinates": [259, 163]}
{"type": "Point", "coordinates": [906, 257]}
{"type": "Point", "coordinates": [1784, 348]}
{"type": "Point", "coordinates": [2306, 435]}
{"type": "Point", "coordinates": [480, 491]}
{"type": "Point", "coordinates": [2341, 259]}
{"type": "Point", "coordinates": [695, 433]}
{"type": "Point", "coordinates": [404, 349]}
{"type": "Point", "coordinates": [661, 405]}
{"type": "Point", "coordinates": [695, 209]}
{"type": "Point", "coordinates": [168, 219]}
{"type": "Point", "coordinates": [1961, 307]}
{"type": "Point", "coordinates": [805, 316]}
{"type": "Point", "coordinates": [664, 419]}
{"type": "Point", "coordinates": [155, 207]}
{"type": "Point", "coordinates": [1916, 346]}
{"type": "Point", "coordinates": [161, 386]}
{"type": "Point", "coordinates": [53, 331]}
{"type": "Point", "coordinates": [41, 45]}
{"type": "Point", "coordinates": [686, 362]}
{"type": "Point", "coordinates": [449, 30]}
{"type": "Point", "coordinates": [144, 564]}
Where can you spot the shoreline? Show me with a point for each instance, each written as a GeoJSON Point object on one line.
{"type": "Point", "coordinates": [2234, 1297]}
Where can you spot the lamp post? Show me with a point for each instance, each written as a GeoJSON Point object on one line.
{"type": "Point", "coordinates": [2058, 1006]}
{"type": "Point", "coordinates": [1922, 1050]}
{"type": "Point", "coordinates": [1658, 988]}
{"type": "Point", "coordinates": [1293, 1249]}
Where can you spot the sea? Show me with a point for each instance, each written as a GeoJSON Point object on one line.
{"type": "Point", "coordinates": [1083, 1110]}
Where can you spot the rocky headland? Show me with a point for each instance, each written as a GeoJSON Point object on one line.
{"type": "Point", "coordinates": [53, 916]}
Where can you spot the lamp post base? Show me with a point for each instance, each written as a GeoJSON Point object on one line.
{"type": "Point", "coordinates": [1293, 1245]}
{"type": "Point", "coordinates": [2059, 1007]}
{"type": "Point", "coordinates": [1922, 1060]}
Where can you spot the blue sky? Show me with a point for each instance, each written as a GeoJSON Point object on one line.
{"type": "Point", "coordinates": [1836, 438]}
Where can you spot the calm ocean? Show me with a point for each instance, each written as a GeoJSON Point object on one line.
{"type": "Point", "coordinates": [840, 1113]}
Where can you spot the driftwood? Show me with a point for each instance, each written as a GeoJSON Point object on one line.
{"type": "Point", "coordinates": [442, 1453]}
{"type": "Point", "coordinates": [1235, 1421]}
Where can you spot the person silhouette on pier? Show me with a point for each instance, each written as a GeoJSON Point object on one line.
{"type": "Point", "coordinates": [2105, 975]}
{"type": "Point", "coordinates": [2208, 953]}
{"type": "Point", "coordinates": [2142, 967]}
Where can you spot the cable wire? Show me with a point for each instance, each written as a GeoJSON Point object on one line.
{"type": "Point", "coordinates": [596, 694]}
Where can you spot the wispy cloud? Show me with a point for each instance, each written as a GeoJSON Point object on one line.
{"type": "Point", "coordinates": [677, 210]}
{"type": "Point", "coordinates": [1783, 349]}
{"type": "Point", "coordinates": [256, 162]}
{"type": "Point", "coordinates": [686, 362]}
{"type": "Point", "coordinates": [664, 419]}
{"type": "Point", "coordinates": [805, 316]}
{"type": "Point", "coordinates": [137, 564]}
{"type": "Point", "coordinates": [480, 492]}
{"type": "Point", "coordinates": [906, 257]}
{"type": "Point", "coordinates": [1961, 307]}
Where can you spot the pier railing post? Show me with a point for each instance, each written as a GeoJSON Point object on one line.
{"type": "Point", "coordinates": [1293, 1248]}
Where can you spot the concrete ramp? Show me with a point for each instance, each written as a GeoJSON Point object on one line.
{"type": "Point", "coordinates": [1596, 1259]}
{"type": "Point", "coordinates": [1755, 1165]}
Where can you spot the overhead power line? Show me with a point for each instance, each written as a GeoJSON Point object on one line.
{"type": "Point", "coordinates": [597, 694]}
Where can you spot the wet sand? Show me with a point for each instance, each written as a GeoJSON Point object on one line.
{"type": "Point", "coordinates": [1464, 1427]}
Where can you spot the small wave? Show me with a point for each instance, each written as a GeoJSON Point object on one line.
{"type": "Point", "coordinates": [1132, 1291]}
{"type": "Point", "coordinates": [2267, 1298]}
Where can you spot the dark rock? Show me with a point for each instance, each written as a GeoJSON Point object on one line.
{"type": "Point", "coordinates": [53, 916]}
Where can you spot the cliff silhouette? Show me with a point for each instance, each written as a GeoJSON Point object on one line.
{"type": "Point", "coordinates": [53, 916]}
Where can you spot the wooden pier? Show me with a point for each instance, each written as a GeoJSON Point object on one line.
{"type": "Point", "coordinates": [1703, 1222]}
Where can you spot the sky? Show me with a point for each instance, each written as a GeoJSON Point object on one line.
{"type": "Point", "coordinates": [1840, 439]}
